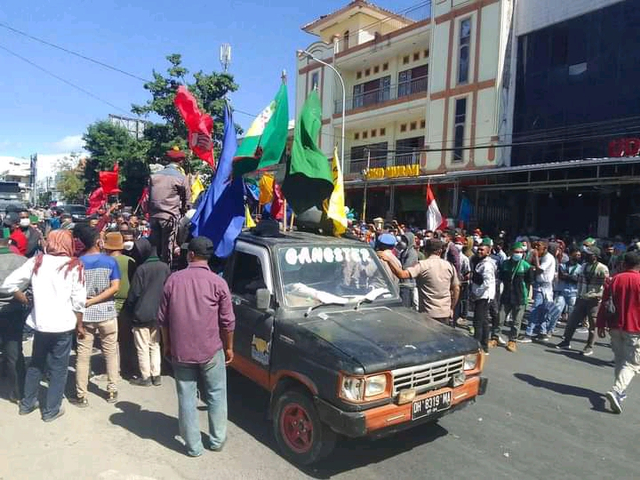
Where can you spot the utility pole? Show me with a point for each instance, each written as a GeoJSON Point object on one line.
{"type": "Point", "coordinates": [365, 174]}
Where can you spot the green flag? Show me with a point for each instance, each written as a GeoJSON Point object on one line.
{"type": "Point", "coordinates": [266, 138]}
{"type": "Point", "coordinates": [309, 179]}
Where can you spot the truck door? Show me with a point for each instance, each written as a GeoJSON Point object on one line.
{"type": "Point", "coordinates": [251, 271]}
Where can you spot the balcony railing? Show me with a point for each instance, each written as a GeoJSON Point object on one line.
{"type": "Point", "coordinates": [357, 165]}
{"type": "Point", "coordinates": [384, 94]}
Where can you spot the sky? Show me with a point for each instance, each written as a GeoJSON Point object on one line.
{"type": "Point", "coordinates": [44, 115]}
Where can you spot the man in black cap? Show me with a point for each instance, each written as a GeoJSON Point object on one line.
{"type": "Point", "coordinates": [197, 321]}
{"type": "Point", "coordinates": [590, 289]}
{"type": "Point", "coordinates": [167, 204]}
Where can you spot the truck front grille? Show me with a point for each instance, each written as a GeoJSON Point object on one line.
{"type": "Point", "coordinates": [428, 376]}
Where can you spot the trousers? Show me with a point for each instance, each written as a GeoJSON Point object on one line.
{"type": "Point", "coordinates": [626, 352]}
{"type": "Point", "coordinates": [584, 307]}
{"type": "Point", "coordinates": [11, 325]}
{"type": "Point", "coordinates": [147, 340]}
{"type": "Point", "coordinates": [108, 333]}
{"type": "Point", "coordinates": [481, 322]}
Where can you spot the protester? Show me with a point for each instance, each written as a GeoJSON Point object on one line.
{"type": "Point", "coordinates": [590, 289]}
{"type": "Point", "coordinates": [12, 317]}
{"type": "Point", "coordinates": [464, 275]}
{"type": "Point", "coordinates": [197, 321]}
{"type": "Point", "coordinates": [142, 303]}
{"type": "Point", "coordinates": [102, 283]}
{"type": "Point", "coordinates": [167, 204]}
{"type": "Point", "coordinates": [515, 274]}
{"type": "Point", "coordinates": [17, 238]}
{"type": "Point", "coordinates": [408, 258]}
{"type": "Point", "coordinates": [483, 289]}
{"type": "Point", "coordinates": [620, 314]}
{"type": "Point", "coordinates": [59, 300]}
{"type": "Point", "coordinates": [544, 266]}
{"type": "Point", "coordinates": [31, 233]}
{"type": "Point", "coordinates": [566, 288]}
{"type": "Point", "coordinates": [386, 243]}
{"type": "Point", "coordinates": [66, 222]}
{"type": "Point", "coordinates": [437, 281]}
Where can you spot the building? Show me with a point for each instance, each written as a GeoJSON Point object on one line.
{"type": "Point", "coordinates": [19, 170]}
{"type": "Point", "coordinates": [427, 95]}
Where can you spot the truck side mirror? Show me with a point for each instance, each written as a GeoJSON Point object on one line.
{"type": "Point", "coordinates": [263, 299]}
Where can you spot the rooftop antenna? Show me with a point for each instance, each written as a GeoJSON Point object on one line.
{"type": "Point", "coordinates": [225, 56]}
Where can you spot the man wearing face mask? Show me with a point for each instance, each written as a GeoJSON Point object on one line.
{"type": "Point", "coordinates": [113, 246]}
{"type": "Point", "coordinates": [516, 275]}
{"type": "Point", "coordinates": [32, 234]}
{"type": "Point", "coordinates": [408, 257]}
{"type": "Point", "coordinates": [462, 308]}
{"type": "Point", "coordinates": [590, 289]}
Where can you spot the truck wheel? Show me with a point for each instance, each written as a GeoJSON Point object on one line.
{"type": "Point", "coordinates": [302, 437]}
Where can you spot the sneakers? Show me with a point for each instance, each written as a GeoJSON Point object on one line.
{"type": "Point", "coordinates": [157, 381]}
{"type": "Point", "coordinates": [141, 382]}
{"type": "Point", "coordinates": [56, 416]}
{"type": "Point", "coordinates": [564, 345]}
{"type": "Point", "coordinates": [524, 339]}
{"type": "Point", "coordinates": [112, 396]}
{"type": "Point", "coordinates": [587, 352]}
{"type": "Point", "coordinates": [501, 341]}
{"type": "Point", "coordinates": [615, 401]}
{"type": "Point", "coordinates": [543, 337]}
{"type": "Point", "coordinates": [81, 402]}
{"type": "Point", "coordinates": [582, 330]}
{"type": "Point", "coordinates": [27, 411]}
{"type": "Point", "coordinates": [511, 346]}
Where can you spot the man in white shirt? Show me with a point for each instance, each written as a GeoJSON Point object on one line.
{"type": "Point", "coordinates": [544, 265]}
{"type": "Point", "coordinates": [59, 297]}
{"type": "Point", "coordinates": [483, 290]}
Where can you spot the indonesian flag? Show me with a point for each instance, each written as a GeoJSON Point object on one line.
{"type": "Point", "coordinates": [200, 125]}
{"type": "Point", "coordinates": [434, 217]}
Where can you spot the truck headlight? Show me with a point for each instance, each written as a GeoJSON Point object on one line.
{"type": "Point", "coordinates": [360, 389]}
{"type": "Point", "coordinates": [470, 361]}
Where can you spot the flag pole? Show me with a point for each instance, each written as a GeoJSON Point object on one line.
{"type": "Point", "coordinates": [293, 216]}
{"type": "Point", "coordinates": [284, 217]}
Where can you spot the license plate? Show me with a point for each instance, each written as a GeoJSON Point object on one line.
{"type": "Point", "coordinates": [431, 405]}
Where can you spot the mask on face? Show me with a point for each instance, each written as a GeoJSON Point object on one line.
{"type": "Point", "coordinates": [25, 222]}
{"type": "Point", "coordinates": [476, 238]}
{"type": "Point", "coordinates": [517, 257]}
{"type": "Point", "coordinates": [459, 246]}
{"type": "Point", "coordinates": [128, 246]}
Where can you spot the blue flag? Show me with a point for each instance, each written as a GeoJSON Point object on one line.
{"type": "Point", "coordinates": [220, 215]}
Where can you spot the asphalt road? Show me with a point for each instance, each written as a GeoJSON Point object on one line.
{"type": "Point", "coordinates": [544, 416]}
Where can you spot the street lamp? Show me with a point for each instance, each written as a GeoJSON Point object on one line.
{"type": "Point", "coordinates": [344, 98]}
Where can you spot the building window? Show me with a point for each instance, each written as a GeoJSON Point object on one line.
{"type": "Point", "coordinates": [405, 60]}
{"type": "Point", "coordinates": [403, 127]}
{"type": "Point", "coordinates": [372, 92]}
{"type": "Point", "coordinates": [425, 54]}
{"type": "Point", "coordinates": [374, 133]}
{"type": "Point", "coordinates": [413, 80]}
{"type": "Point", "coordinates": [383, 132]}
{"type": "Point", "coordinates": [356, 136]}
{"type": "Point", "coordinates": [423, 123]}
{"type": "Point", "coordinates": [416, 56]}
{"type": "Point", "coordinates": [385, 67]}
{"type": "Point", "coordinates": [367, 72]}
{"type": "Point", "coordinates": [345, 40]}
{"type": "Point", "coordinates": [365, 135]}
{"type": "Point", "coordinates": [315, 80]}
{"type": "Point", "coordinates": [359, 75]}
{"type": "Point", "coordinates": [458, 129]}
{"type": "Point", "coordinates": [376, 151]}
{"type": "Point", "coordinates": [376, 69]}
{"type": "Point", "coordinates": [464, 50]}
{"type": "Point", "coordinates": [413, 125]}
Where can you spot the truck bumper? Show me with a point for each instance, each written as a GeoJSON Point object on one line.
{"type": "Point", "coordinates": [388, 419]}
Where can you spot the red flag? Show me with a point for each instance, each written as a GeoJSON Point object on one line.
{"type": "Point", "coordinates": [144, 199]}
{"type": "Point", "coordinates": [96, 200]}
{"type": "Point", "coordinates": [200, 125]}
{"type": "Point", "coordinates": [277, 205]}
{"type": "Point", "coordinates": [109, 181]}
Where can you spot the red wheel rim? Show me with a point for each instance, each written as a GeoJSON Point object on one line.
{"type": "Point", "coordinates": [296, 428]}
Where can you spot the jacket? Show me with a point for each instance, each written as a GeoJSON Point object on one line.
{"type": "Point", "coordinates": [168, 193]}
{"type": "Point", "coordinates": [8, 263]}
{"type": "Point", "coordinates": [145, 291]}
{"type": "Point", "coordinates": [408, 258]}
{"type": "Point", "coordinates": [624, 289]}
{"type": "Point", "coordinates": [516, 277]}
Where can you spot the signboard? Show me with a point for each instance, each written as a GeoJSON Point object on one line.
{"type": "Point", "coordinates": [393, 172]}
{"type": "Point", "coordinates": [624, 147]}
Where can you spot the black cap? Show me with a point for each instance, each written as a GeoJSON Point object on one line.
{"type": "Point", "coordinates": [201, 247]}
{"type": "Point", "coordinates": [11, 219]}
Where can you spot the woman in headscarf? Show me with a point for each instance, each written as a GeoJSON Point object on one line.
{"type": "Point", "coordinates": [59, 297]}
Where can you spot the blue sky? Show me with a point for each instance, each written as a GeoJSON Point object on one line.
{"type": "Point", "coordinates": [42, 114]}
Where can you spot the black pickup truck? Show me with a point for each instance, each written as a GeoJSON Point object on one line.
{"type": "Point", "coordinates": [320, 325]}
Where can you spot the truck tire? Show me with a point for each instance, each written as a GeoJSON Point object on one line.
{"type": "Point", "coordinates": [302, 437]}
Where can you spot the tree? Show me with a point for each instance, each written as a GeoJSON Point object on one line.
{"type": "Point", "coordinates": [209, 89]}
{"type": "Point", "coordinates": [69, 179]}
{"type": "Point", "coordinates": [107, 144]}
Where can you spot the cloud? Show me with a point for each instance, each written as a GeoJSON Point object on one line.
{"type": "Point", "coordinates": [70, 143]}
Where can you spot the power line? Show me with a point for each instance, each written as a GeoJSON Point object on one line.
{"type": "Point", "coordinates": [63, 80]}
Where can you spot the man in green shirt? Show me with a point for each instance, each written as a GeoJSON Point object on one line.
{"type": "Point", "coordinates": [515, 274]}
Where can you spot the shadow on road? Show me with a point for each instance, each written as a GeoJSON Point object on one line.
{"type": "Point", "coordinates": [248, 410]}
{"type": "Point", "coordinates": [597, 400]}
{"type": "Point", "coordinates": [149, 425]}
{"type": "Point", "coordinates": [576, 355]}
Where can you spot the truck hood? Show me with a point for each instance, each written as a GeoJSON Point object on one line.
{"type": "Point", "coordinates": [380, 338]}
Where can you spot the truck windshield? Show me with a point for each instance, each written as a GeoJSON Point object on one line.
{"type": "Point", "coordinates": [314, 275]}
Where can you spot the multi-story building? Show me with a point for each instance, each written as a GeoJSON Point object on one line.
{"type": "Point", "coordinates": [427, 97]}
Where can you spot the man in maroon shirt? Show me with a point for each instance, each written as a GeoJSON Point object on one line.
{"type": "Point", "coordinates": [197, 321]}
{"type": "Point", "coordinates": [624, 326]}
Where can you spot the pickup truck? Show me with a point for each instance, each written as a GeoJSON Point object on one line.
{"type": "Point", "coordinates": [320, 325]}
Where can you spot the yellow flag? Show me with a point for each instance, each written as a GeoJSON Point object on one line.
{"type": "Point", "coordinates": [248, 219]}
{"type": "Point", "coordinates": [334, 207]}
{"type": "Point", "coordinates": [196, 189]}
{"type": "Point", "coordinates": [266, 189]}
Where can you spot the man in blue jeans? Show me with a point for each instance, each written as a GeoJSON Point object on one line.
{"type": "Point", "coordinates": [197, 321]}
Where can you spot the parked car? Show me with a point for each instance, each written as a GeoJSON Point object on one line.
{"type": "Point", "coordinates": [77, 212]}
{"type": "Point", "coordinates": [320, 325]}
